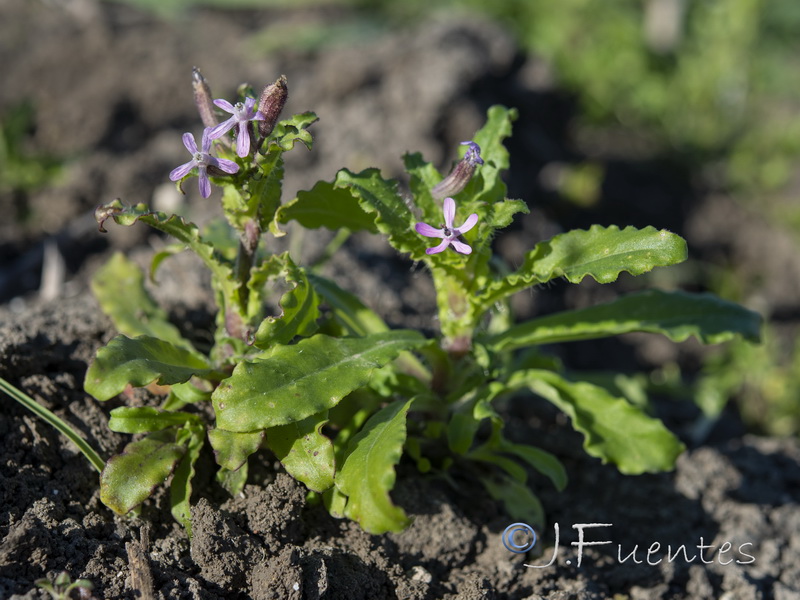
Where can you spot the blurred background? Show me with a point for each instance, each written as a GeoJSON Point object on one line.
{"type": "Point", "coordinates": [681, 114]}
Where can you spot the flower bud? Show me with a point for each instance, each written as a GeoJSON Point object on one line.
{"type": "Point", "coordinates": [271, 104]}
{"type": "Point", "coordinates": [202, 99]}
{"type": "Point", "coordinates": [459, 177]}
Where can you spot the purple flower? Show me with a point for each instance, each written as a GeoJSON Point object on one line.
{"type": "Point", "coordinates": [448, 233]}
{"type": "Point", "coordinates": [473, 154]}
{"type": "Point", "coordinates": [242, 115]}
{"type": "Point", "coordinates": [203, 161]}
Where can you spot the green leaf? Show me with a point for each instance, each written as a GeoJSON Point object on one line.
{"type": "Point", "coordinates": [541, 460]}
{"type": "Point", "coordinates": [349, 417]}
{"type": "Point", "coordinates": [142, 419]}
{"type": "Point", "coordinates": [423, 176]}
{"type": "Point", "coordinates": [186, 233]}
{"type": "Point", "coordinates": [599, 252]}
{"type": "Point", "coordinates": [257, 197]}
{"type": "Point", "coordinates": [614, 430]}
{"type": "Point", "coordinates": [130, 478]}
{"type": "Point", "coordinates": [487, 185]}
{"type": "Point", "coordinates": [335, 502]}
{"type": "Point", "coordinates": [139, 362]}
{"type": "Point", "coordinates": [380, 198]}
{"type": "Point", "coordinates": [519, 501]}
{"type": "Point", "coordinates": [487, 455]}
{"type": "Point", "coordinates": [181, 487]}
{"type": "Point", "coordinates": [181, 394]}
{"type": "Point", "coordinates": [119, 288]}
{"type": "Point", "coordinates": [232, 449]}
{"type": "Point", "coordinates": [325, 205]}
{"type": "Point", "coordinates": [305, 453]}
{"type": "Point", "coordinates": [367, 475]}
{"type": "Point", "coordinates": [676, 315]}
{"type": "Point", "coordinates": [297, 381]}
{"type": "Point", "coordinates": [51, 419]}
{"type": "Point", "coordinates": [265, 189]}
{"type": "Point", "coordinates": [358, 320]}
{"type": "Point", "coordinates": [300, 310]}
{"type": "Point", "coordinates": [289, 131]}
{"type": "Point", "coordinates": [467, 417]}
{"type": "Point", "coordinates": [232, 481]}
{"type": "Point", "coordinates": [348, 310]}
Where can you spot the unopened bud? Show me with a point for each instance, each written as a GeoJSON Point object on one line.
{"type": "Point", "coordinates": [459, 177]}
{"type": "Point", "coordinates": [202, 99]}
{"type": "Point", "coordinates": [271, 104]}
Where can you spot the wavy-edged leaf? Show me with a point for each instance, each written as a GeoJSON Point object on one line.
{"type": "Point", "coordinates": [677, 315]}
{"type": "Point", "coordinates": [304, 452]}
{"type": "Point", "coordinates": [379, 197]}
{"type": "Point", "coordinates": [303, 379]}
{"type": "Point", "coordinates": [614, 430]}
{"type": "Point", "coordinates": [130, 478]}
{"type": "Point", "coordinates": [599, 252]}
{"type": "Point", "coordinates": [327, 206]}
{"type": "Point", "coordinates": [139, 362]}
{"type": "Point", "coordinates": [292, 130]}
{"type": "Point", "coordinates": [232, 449]}
{"type": "Point", "coordinates": [367, 475]}
{"type": "Point", "coordinates": [300, 310]}
{"type": "Point", "coordinates": [423, 176]}
{"type": "Point", "coordinates": [185, 232]}
{"type": "Point", "coordinates": [487, 185]}
{"type": "Point", "coordinates": [143, 419]}
{"type": "Point", "coordinates": [119, 288]}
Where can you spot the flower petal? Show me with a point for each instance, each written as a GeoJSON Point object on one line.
{"type": "Point", "coordinates": [223, 164]}
{"type": "Point", "coordinates": [182, 171]}
{"type": "Point", "coordinates": [428, 230]}
{"type": "Point", "coordinates": [204, 183]}
{"type": "Point", "coordinates": [188, 141]}
{"type": "Point", "coordinates": [222, 128]}
{"type": "Point", "coordinates": [242, 140]}
{"type": "Point", "coordinates": [249, 103]}
{"type": "Point", "coordinates": [473, 154]}
{"type": "Point", "coordinates": [225, 105]}
{"type": "Point", "coordinates": [449, 210]}
{"type": "Point", "coordinates": [468, 224]}
{"type": "Point", "coordinates": [440, 248]}
{"type": "Point", "coordinates": [461, 247]}
{"type": "Point", "coordinates": [207, 140]}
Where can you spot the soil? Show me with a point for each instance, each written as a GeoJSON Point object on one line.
{"type": "Point", "coordinates": [111, 91]}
